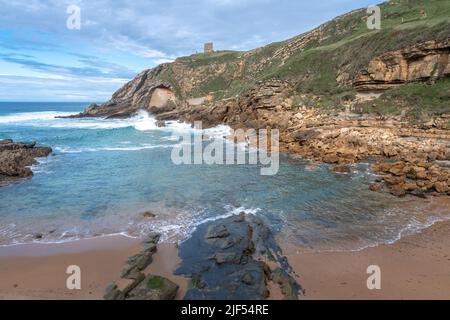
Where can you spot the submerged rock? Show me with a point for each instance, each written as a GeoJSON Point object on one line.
{"type": "Point", "coordinates": [228, 259]}
{"type": "Point", "coordinates": [149, 214]}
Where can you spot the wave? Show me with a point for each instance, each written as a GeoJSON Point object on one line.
{"type": "Point", "coordinates": [134, 148]}
{"type": "Point", "coordinates": [142, 121]}
{"type": "Point", "coordinates": [176, 228]}
{"type": "Point", "coordinates": [26, 117]}
{"type": "Point", "coordinates": [52, 119]}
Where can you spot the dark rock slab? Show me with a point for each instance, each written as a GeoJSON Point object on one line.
{"type": "Point", "coordinates": [226, 260]}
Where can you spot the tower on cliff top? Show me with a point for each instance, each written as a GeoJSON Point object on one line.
{"type": "Point", "coordinates": [209, 47]}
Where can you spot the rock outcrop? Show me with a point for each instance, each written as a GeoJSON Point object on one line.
{"type": "Point", "coordinates": [141, 286]}
{"type": "Point", "coordinates": [262, 106]}
{"type": "Point", "coordinates": [134, 96]}
{"type": "Point", "coordinates": [234, 259]}
{"type": "Point", "coordinates": [16, 159]}
{"type": "Point", "coordinates": [414, 176]}
{"type": "Point", "coordinates": [422, 62]}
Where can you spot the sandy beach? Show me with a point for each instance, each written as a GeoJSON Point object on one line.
{"type": "Point", "coordinates": [38, 271]}
{"type": "Point", "coordinates": [415, 267]}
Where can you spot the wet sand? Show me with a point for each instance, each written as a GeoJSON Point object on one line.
{"type": "Point", "coordinates": [38, 271]}
{"type": "Point", "coordinates": [415, 267]}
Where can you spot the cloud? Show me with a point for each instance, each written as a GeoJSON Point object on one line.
{"type": "Point", "coordinates": [123, 43]}
{"type": "Point", "coordinates": [47, 88]}
{"type": "Point", "coordinates": [93, 67]}
{"type": "Point", "coordinates": [119, 38]}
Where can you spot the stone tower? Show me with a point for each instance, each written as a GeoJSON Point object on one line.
{"type": "Point", "coordinates": [209, 47]}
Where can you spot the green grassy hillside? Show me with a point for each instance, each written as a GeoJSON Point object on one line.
{"type": "Point", "coordinates": [312, 61]}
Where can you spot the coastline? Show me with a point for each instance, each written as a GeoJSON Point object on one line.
{"type": "Point", "coordinates": [415, 267]}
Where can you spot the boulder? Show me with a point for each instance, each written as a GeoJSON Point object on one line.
{"type": "Point", "coordinates": [376, 187]}
{"type": "Point", "coordinates": [398, 190]}
{"type": "Point", "coordinates": [441, 187]}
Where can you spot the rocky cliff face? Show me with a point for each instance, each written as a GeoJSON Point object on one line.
{"type": "Point", "coordinates": [339, 56]}
{"type": "Point", "coordinates": [133, 96]}
{"type": "Point", "coordinates": [422, 62]}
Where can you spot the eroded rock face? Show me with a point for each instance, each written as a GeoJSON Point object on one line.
{"type": "Point", "coordinates": [260, 107]}
{"type": "Point", "coordinates": [145, 92]}
{"type": "Point", "coordinates": [17, 157]}
{"type": "Point", "coordinates": [421, 62]}
{"type": "Point", "coordinates": [229, 259]}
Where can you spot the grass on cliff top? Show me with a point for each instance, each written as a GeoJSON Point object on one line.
{"type": "Point", "coordinates": [420, 100]}
{"type": "Point", "coordinates": [395, 15]}
{"type": "Point", "coordinates": [201, 59]}
{"type": "Point", "coordinates": [211, 85]}
{"type": "Point", "coordinates": [347, 45]}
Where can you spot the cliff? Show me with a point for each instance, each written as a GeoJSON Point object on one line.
{"type": "Point", "coordinates": [333, 61]}
{"type": "Point", "coordinates": [421, 62]}
{"type": "Point", "coordinates": [338, 94]}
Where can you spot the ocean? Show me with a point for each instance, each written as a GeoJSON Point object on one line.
{"type": "Point", "coordinates": [105, 173]}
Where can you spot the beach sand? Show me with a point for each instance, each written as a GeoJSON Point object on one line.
{"type": "Point", "coordinates": [415, 267]}
{"type": "Point", "coordinates": [38, 271]}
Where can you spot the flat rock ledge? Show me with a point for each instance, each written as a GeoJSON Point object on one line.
{"type": "Point", "coordinates": [16, 159]}
{"type": "Point", "coordinates": [235, 259]}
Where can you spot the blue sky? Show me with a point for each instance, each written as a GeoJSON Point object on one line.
{"type": "Point", "coordinates": [42, 60]}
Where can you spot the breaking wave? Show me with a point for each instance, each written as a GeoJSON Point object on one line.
{"type": "Point", "coordinates": [142, 121]}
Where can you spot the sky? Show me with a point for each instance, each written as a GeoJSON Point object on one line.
{"type": "Point", "coordinates": [42, 59]}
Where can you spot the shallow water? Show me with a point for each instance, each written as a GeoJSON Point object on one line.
{"type": "Point", "coordinates": [105, 173]}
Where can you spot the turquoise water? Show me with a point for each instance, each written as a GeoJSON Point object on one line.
{"type": "Point", "coordinates": [105, 173]}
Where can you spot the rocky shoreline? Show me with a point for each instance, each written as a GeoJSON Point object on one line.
{"type": "Point", "coordinates": [231, 258]}
{"type": "Point", "coordinates": [339, 139]}
{"type": "Point", "coordinates": [16, 159]}
{"type": "Point", "coordinates": [339, 136]}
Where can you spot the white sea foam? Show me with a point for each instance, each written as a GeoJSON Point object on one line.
{"type": "Point", "coordinates": [51, 119]}
{"type": "Point", "coordinates": [142, 121]}
{"type": "Point", "coordinates": [130, 148]}
{"type": "Point", "coordinates": [28, 117]}
{"type": "Point", "coordinates": [42, 166]}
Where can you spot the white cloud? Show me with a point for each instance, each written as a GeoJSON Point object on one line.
{"type": "Point", "coordinates": [123, 43]}
{"type": "Point", "coordinates": [137, 35]}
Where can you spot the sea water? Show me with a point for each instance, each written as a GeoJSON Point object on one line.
{"type": "Point", "coordinates": [105, 173]}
